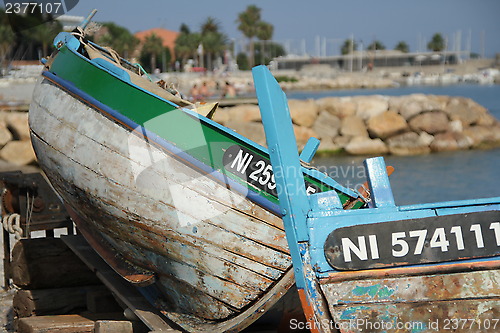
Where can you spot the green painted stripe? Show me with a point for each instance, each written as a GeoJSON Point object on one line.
{"type": "Point", "coordinates": [201, 140]}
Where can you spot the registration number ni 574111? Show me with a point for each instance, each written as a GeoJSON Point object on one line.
{"type": "Point", "coordinates": [416, 241]}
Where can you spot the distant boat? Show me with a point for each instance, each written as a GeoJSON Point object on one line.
{"type": "Point", "coordinates": [182, 207]}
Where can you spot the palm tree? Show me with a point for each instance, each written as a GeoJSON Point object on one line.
{"type": "Point", "coordinates": [213, 43]}
{"type": "Point", "coordinates": [118, 38]}
{"type": "Point", "coordinates": [153, 46]}
{"type": "Point", "coordinates": [248, 23]}
{"type": "Point", "coordinates": [186, 44]}
{"type": "Point", "coordinates": [347, 46]}
{"type": "Point", "coordinates": [210, 25]}
{"type": "Point", "coordinates": [44, 34]}
{"type": "Point", "coordinates": [7, 38]}
{"type": "Point", "coordinates": [264, 33]}
{"type": "Point", "coordinates": [212, 39]}
{"type": "Point", "coordinates": [376, 45]}
{"type": "Point", "coordinates": [437, 43]}
{"type": "Point", "coordinates": [402, 46]}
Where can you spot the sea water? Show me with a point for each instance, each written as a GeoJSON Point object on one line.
{"type": "Point", "coordinates": [425, 178]}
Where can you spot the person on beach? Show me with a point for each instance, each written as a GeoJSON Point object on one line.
{"type": "Point", "coordinates": [195, 93]}
{"type": "Point", "coordinates": [229, 91]}
{"type": "Point", "coordinates": [204, 91]}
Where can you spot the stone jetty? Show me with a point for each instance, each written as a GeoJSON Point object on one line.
{"type": "Point", "coordinates": [375, 125]}
{"type": "Point", "coordinates": [361, 125]}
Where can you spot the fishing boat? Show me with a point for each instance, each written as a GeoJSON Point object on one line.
{"type": "Point", "coordinates": [419, 268]}
{"type": "Point", "coordinates": [185, 209]}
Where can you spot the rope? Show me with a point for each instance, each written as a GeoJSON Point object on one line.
{"type": "Point", "coordinates": [12, 224]}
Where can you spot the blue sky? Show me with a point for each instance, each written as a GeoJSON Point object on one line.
{"type": "Point", "coordinates": [321, 25]}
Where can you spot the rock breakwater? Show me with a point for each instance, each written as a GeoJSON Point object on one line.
{"type": "Point", "coordinates": [374, 125]}
{"type": "Point", "coordinates": [15, 143]}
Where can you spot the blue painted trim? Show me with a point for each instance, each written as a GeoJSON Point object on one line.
{"type": "Point", "coordinates": [378, 181]}
{"type": "Point", "coordinates": [167, 146]}
{"type": "Point", "coordinates": [309, 150]}
{"type": "Point", "coordinates": [324, 226]}
{"type": "Point", "coordinates": [110, 68]}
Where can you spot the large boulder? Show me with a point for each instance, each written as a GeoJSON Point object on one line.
{"type": "Point", "coordinates": [431, 122]}
{"type": "Point", "coordinates": [5, 134]}
{"type": "Point", "coordinates": [244, 113]}
{"type": "Point", "coordinates": [465, 110]}
{"type": "Point", "coordinates": [326, 125]}
{"type": "Point", "coordinates": [444, 142]}
{"type": "Point", "coordinates": [18, 152]}
{"type": "Point", "coordinates": [386, 124]}
{"type": "Point", "coordinates": [371, 106]}
{"type": "Point", "coordinates": [252, 130]}
{"type": "Point", "coordinates": [366, 146]}
{"type": "Point", "coordinates": [412, 105]}
{"type": "Point", "coordinates": [409, 143]}
{"type": "Point", "coordinates": [222, 115]}
{"type": "Point", "coordinates": [303, 113]}
{"type": "Point", "coordinates": [353, 126]}
{"type": "Point", "coordinates": [483, 135]}
{"type": "Point", "coordinates": [338, 106]}
{"type": "Point", "coordinates": [302, 135]}
{"type": "Point", "coordinates": [329, 145]}
{"type": "Point", "coordinates": [17, 122]}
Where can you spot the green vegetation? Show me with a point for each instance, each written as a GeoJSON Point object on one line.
{"type": "Point", "coordinates": [186, 44]}
{"type": "Point", "coordinates": [402, 46]}
{"type": "Point", "coordinates": [285, 78]}
{"type": "Point", "coordinates": [376, 45]}
{"type": "Point", "coordinates": [152, 48]}
{"type": "Point", "coordinates": [348, 46]}
{"type": "Point", "coordinates": [208, 44]}
{"type": "Point", "coordinates": [242, 61]}
{"type": "Point", "coordinates": [26, 37]}
{"type": "Point", "coordinates": [437, 43]}
{"type": "Point", "coordinates": [214, 42]}
{"type": "Point", "coordinates": [251, 25]}
{"type": "Point", "coordinates": [118, 38]}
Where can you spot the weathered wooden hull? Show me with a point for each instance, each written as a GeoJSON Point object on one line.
{"type": "Point", "coordinates": [413, 300]}
{"type": "Point", "coordinates": [221, 260]}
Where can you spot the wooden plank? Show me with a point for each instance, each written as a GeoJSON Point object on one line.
{"type": "Point", "coordinates": [475, 284]}
{"type": "Point", "coordinates": [54, 301]}
{"type": "Point", "coordinates": [469, 315]}
{"type": "Point", "coordinates": [42, 263]}
{"type": "Point", "coordinates": [128, 294]}
{"type": "Point", "coordinates": [113, 326]}
{"type": "Point", "coordinates": [56, 324]}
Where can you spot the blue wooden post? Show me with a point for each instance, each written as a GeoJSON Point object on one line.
{"type": "Point", "coordinates": [378, 180]}
{"type": "Point", "coordinates": [285, 160]}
